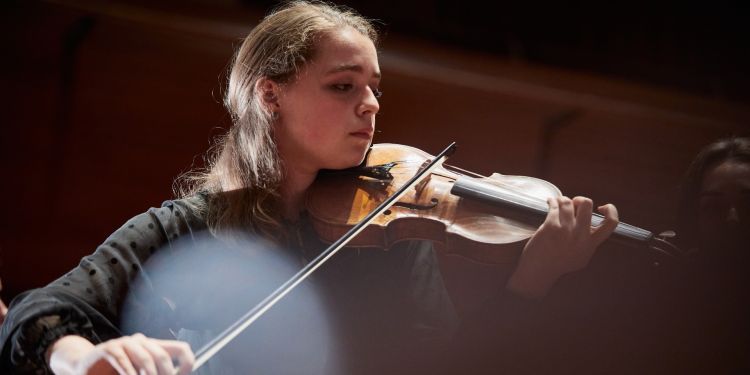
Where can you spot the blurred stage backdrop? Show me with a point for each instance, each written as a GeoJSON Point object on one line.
{"type": "Point", "coordinates": [106, 102]}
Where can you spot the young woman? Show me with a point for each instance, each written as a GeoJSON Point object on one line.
{"type": "Point", "coordinates": [303, 93]}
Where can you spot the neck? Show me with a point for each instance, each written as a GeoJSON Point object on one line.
{"type": "Point", "coordinates": [293, 190]}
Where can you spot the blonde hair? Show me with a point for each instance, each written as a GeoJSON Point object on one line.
{"type": "Point", "coordinates": [244, 169]}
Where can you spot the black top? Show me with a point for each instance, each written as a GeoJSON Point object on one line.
{"type": "Point", "coordinates": [381, 305]}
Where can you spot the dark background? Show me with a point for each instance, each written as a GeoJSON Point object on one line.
{"type": "Point", "coordinates": [698, 47]}
{"type": "Point", "coordinates": [105, 103]}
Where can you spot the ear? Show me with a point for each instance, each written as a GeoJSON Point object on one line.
{"type": "Point", "coordinates": [269, 92]}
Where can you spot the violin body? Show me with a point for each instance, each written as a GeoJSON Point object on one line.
{"type": "Point", "coordinates": [430, 211]}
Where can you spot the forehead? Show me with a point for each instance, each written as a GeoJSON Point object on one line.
{"type": "Point", "coordinates": [730, 173]}
{"type": "Point", "coordinates": [345, 47]}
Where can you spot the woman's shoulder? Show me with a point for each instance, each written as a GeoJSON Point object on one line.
{"type": "Point", "coordinates": [190, 205]}
{"type": "Point", "coordinates": [172, 219]}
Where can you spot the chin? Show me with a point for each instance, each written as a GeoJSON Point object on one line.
{"type": "Point", "coordinates": [362, 154]}
{"type": "Point", "coordinates": [349, 159]}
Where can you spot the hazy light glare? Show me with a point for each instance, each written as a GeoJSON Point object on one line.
{"type": "Point", "coordinates": [201, 285]}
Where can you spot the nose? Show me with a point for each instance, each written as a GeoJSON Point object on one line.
{"type": "Point", "coordinates": [369, 104]}
{"type": "Point", "coordinates": [732, 215]}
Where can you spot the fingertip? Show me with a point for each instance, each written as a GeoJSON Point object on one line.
{"type": "Point", "coordinates": [583, 202]}
{"type": "Point", "coordinates": [609, 210]}
{"type": "Point", "coordinates": [579, 198]}
{"type": "Point", "coordinates": [188, 358]}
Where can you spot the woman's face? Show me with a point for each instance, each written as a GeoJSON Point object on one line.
{"type": "Point", "coordinates": [327, 115]}
{"type": "Point", "coordinates": [724, 208]}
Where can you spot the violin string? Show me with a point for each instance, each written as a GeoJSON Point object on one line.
{"type": "Point", "coordinates": [510, 189]}
{"type": "Point", "coordinates": [463, 171]}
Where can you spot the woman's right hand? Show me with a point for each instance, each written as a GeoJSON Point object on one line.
{"type": "Point", "coordinates": [127, 355]}
{"type": "Point", "coordinates": [3, 308]}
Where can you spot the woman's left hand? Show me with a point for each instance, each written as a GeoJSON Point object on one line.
{"type": "Point", "coordinates": [564, 243]}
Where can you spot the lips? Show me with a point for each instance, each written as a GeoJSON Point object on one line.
{"type": "Point", "coordinates": [365, 133]}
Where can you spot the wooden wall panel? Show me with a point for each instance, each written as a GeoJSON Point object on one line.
{"type": "Point", "coordinates": [143, 99]}
{"type": "Point", "coordinates": [139, 109]}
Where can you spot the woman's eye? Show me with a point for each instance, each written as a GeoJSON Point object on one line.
{"type": "Point", "coordinates": [342, 87]}
{"type": "Point", "coordinates": [377, 93]}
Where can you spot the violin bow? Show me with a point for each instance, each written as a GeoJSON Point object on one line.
{"type": "Point", "coordinates": [229, 334]}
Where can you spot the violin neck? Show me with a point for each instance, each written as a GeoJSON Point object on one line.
{"type": "Point", "coordinates": [533, 211]}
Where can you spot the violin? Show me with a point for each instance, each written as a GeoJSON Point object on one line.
{"type": "Point", "coordinates": [402, 193]}
{"type": "Point", "coordinates": [474, 216]}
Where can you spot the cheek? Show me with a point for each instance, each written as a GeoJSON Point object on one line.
{"type": "Point", "coordinates": [316, 133]}
{"type": "Point", "coordinates": [307, 123]}
{"type": "Point", "coordinates": [325, 123]}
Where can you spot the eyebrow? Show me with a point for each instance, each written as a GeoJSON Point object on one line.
{"type": "Point", "coordinates": [350, 67]}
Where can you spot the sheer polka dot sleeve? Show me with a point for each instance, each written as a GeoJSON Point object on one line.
{"type": "Point", "coordinates": [87, 300]}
